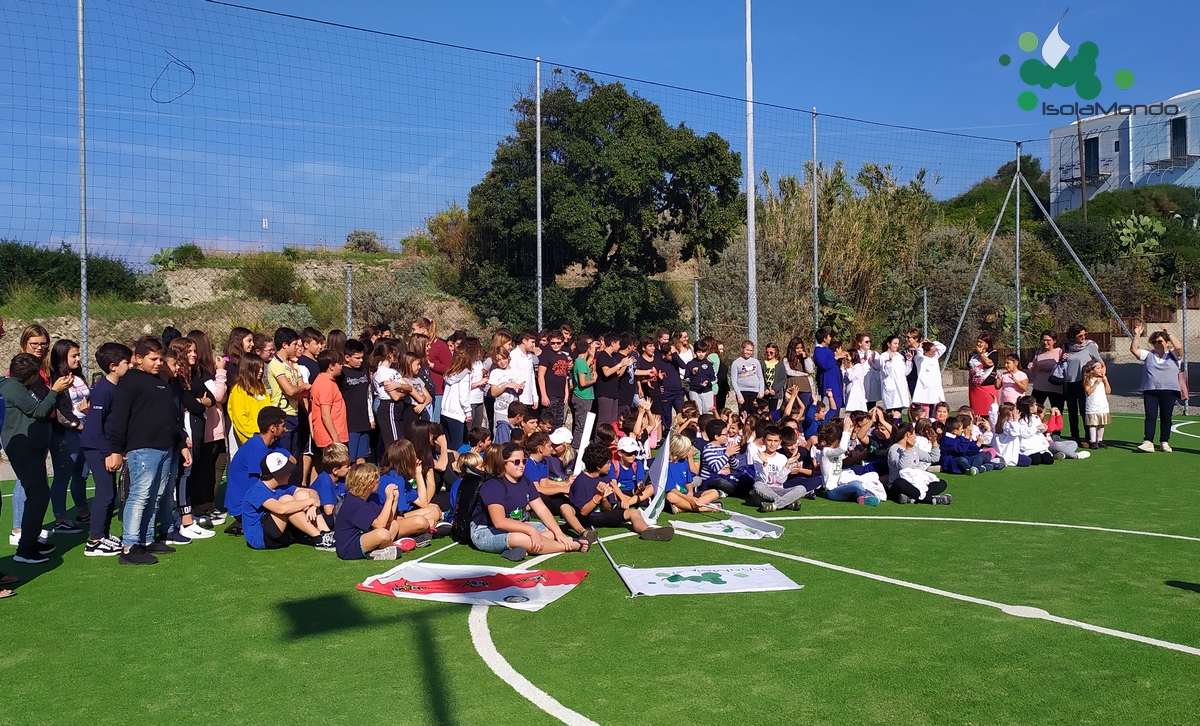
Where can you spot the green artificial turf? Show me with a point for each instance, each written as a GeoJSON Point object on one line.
{"type": "Point", "coordinates": [218, 633]}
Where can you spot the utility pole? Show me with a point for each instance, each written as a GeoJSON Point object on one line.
{"type": "Point", "coordinates": [1082, 170]}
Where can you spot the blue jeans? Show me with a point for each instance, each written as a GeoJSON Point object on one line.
{"type": "Point", "coordinates": [847, 492]}
{"type": "Point", "coordinates": [360, 446]}
{"type": "Point", "coordinates": [1159, 406]}
{"type": "Point", "coordinates": [150, 473]}
{"type": "Point", "coordinates": [18, 503]}
{"type": "Point", "coordinates": [435, 411]}
{"type": "Point", "coordinates": [67, 456]}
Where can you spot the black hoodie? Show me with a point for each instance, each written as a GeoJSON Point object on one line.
{"type": "Point", "coordinates": [144, 415]}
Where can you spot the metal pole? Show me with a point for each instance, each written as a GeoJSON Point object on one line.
{"type": "Point", "coordinates": [83, 249]}
{"type": "Point", "coordinates": [751, 254]}
{"type": "Point", "coordinates": [1018, 254]}
{"type": "Point", "coordinates": [1082, 168]}
{"type": "Point", "coordinates": [696, 304]}
{"type": "Point", "coordinates": [924, 313]}
{"type": "Point", "coordinates": [816, 293]}
{"type": "Point", "coordinates": [1184, 342]}
{"type": "Point", "coordinates": [538, 167]}
{"type": "Point", "coordinates": [349, 300]}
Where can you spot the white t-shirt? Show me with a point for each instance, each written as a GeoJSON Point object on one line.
{"type": "Point", "coordinates": [476, 396]}
{"type": "Point", "coordinates": [383, 374]}
{"type": "Point", "coordinates": [771, 470]}
{"type": "Point", "coordinates": [500, 377]}
{"type": "Point", "coordinates": [79, 393]}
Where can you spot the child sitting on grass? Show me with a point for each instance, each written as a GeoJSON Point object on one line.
{"type": "Point", "coordinates": [275, 514]}
{"type": "Point", "coordinates": [681, 493]}
{"type": "Point", "coordinates": [330, 484]}
{"type": "Point", "coordinates": [960, 455]}
{"type": "Point", "coordinates": [632, 487]}
{"type": "Point", "coordinates": [592, 494]}
{"type": "Point", "coordinates": [771, 471]}
{"type": "Point", "coordinates": [366, 529]}
{"type": "Point", "coordinates": [415, 484]}
{"type": "Point", "coordinates": [842, 485]}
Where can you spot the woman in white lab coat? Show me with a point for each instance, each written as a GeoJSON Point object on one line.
{"type": "Point", "coordinates": [855, 373]}
{"type": "Point", "coordinates": [871, 385]}
{"type": "Point", "coordinates": [893, 368]}
{"type": "Point", "coordinates": [928, 392]}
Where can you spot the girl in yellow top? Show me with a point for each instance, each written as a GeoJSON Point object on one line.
{"type": "Point", "coordinates": [247, 397]}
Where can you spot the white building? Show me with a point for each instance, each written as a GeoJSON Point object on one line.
{"type": "Point", "coordinates": [1123, 149]}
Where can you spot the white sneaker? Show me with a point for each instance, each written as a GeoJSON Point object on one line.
{"type": "Point", "coordinates": [195, 531]}
{"type": "Point", "coordinates": [1083, 454]}
{"type": "Point", "coordinates": [1147, 447]}
{"type": "Point", "coordinates": [14, 538]}
{"type": "Point", "coordinates": [1166, 447]}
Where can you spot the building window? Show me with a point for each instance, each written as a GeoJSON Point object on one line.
{"type": "Point", "coordinates": [1117, 146]}
{"type": "Point", "coordinates": [1091, 157]}
{"type": "Point", "coordinates": [1179, 145]}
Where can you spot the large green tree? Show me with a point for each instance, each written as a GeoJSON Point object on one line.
{"type": "Point", "coordinates": [617, 180]}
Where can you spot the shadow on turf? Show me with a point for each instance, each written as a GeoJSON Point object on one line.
{"type": "Point", "coordinates": [1191, 586]}
{"type": "Point", "coordinates": [28, 573]}
{"type": "Point", "coordinates": [333, 613]}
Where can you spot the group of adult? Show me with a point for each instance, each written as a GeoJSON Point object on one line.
{"type": "Point", "coordinates": [1056, 375]}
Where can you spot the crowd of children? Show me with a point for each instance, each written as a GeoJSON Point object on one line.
{"type": "Point", "coordinates": [358, 445]}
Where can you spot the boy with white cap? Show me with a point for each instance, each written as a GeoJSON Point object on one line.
{"type": "Point", "coordinates": [275, 514]}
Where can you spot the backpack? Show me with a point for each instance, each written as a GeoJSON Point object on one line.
{"type": "Point", "coordinates": [468, 500]}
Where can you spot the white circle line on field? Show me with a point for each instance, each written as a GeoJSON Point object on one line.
{"type": "Point", "coordinates": [1021, 611]}
{"type": "Point", "coordinates": [1055, 525]}
{"type": "Point", "coordinates": [481, 638]}
{"type": "Point", "coordinates": [1175, 429]}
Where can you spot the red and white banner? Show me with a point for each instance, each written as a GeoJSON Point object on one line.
{"type": "Point", "coordinates": [475, 584]}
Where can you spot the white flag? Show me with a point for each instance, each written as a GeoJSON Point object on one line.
{"type": "Point", "coordinates": [704, 579]}
{"type": "Point", "coordinates": [736, 527]}
{"type": "Point", "coordinates": [475, 584]}
{"type": "Point", "coordinates": [658, 477]}
{"type": "Point", "coordinates": [1054, 48]}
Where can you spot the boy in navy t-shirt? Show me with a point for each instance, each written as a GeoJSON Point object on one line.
{"type": "Point", "coordinates": [591, 496]}
{"type": "Point", "coordinates": [330, 484]}
{"type": "Point", "coordinates": [98, 451]}
{"type": "Point", "coordinates": [275, 514]}
{"type": "Point", "coordinates": [365, 528]}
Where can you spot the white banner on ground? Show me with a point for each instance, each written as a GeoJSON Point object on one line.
{"type": "Point", "coordinates": [704, 579]}
{"type": "Point", "coordinates": [732, 527]}
{"type": "Point", "coordinates": [529, 590]}
{"type": "Point", "coordinates": [658, 477]}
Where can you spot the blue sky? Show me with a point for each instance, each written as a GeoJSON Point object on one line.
{"type": "Point", "coordinates": [320, 130]}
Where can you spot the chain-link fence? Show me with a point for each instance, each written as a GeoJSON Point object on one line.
{"type": "Point", "coordinates": [257, 169]}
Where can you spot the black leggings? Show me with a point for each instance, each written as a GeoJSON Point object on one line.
{"type": "Point", "coordinates": [900, 486]}
{"type": "Point", "coordinates": [1076, 400]}
{"type": "Point", "coordinates": [1044, 457]}
{"type": "Point", "coordinates": [1055, 397]}
{"type": "Point", "coordinates": [202, 485]}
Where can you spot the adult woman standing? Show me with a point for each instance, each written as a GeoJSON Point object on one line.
{"type": "Point", "coordinates": [35, 341]}
{"type": "Point", "coordinates": [1040, 369]}
{"type": "Point", "coordinates": [66, 450]}
{"type": "Point", "coordinates": [799, 369]}
{"type": "Point", "coordinates": [1080, 351]}
{"type": "Point", "coordinates": [1160, 384]}
{"type": "Point", "coordinates": [26, 437]}
{"type": "Point", "coordinates": [981, 381]}
{"type": "Point", "coordinates": [871, 384]}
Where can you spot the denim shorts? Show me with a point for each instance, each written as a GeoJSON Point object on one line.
{"type": "Point", "coordinates": [360, 446]}
{"type": "Point", "coordinates": [489, 539]}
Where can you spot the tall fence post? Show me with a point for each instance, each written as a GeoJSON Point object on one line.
{"type": "Point", "coordinates": [538, 171]}
{"type": "Point", "coordinates": [1186, 405]}
{"type": "Point", "coordinates": [1018, 254]}
{"type": "Point", "coordinates": [349, 300]}
{"type": "Point", "coordinates": [816, 293]}
{"type": "Point", "coordinates": [924, 313]}
{"type": "Point", "coordinates": [696, 304]}
{"type": "Point", "coordinates": [751, 251]}
{"type": "Point", "coordinates": [83, 249]}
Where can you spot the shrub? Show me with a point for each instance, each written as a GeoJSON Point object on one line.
{"type": "Point", "coordinates": [291, 315]}
{"type": "Point", "coordinates": [272, 278]}
{"type": "Point", "coordinates": [55, 272]}
{"type": "Point", "coordinates": [188, 255]}
{"type": "Point", "coordinates": [364, 242]}
{"type": "Point", "coordinates": [153, 289]}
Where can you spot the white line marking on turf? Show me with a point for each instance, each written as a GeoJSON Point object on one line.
{"type": "Point", "coordinates": [1020, 611]}
{"type": "Point", "coordinates": [427, 555]}
{"type": "Point", "coordinates": [481, 638]}
{"type": "Point", "coordinates": [988, 521]}
{"type": "Point", "coordinates": [1175, 429]}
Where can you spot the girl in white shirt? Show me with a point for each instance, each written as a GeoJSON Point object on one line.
{"type": "Point", "coordinates": [855, 371]}
{"type": "Point", "coordinates": [929, 376]}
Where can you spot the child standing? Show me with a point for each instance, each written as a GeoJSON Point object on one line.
{"type": "Point", "coordinates": [113, 359]}
{"type": "Point", "coordinates": [1095, 412]}
{"type": "Point", "coordinates": [928, 391]}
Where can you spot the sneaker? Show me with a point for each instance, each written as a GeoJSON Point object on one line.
{"type": "Point", "coordinates": [1059, 456]}
{"type": "Point", "coordinates": [202, 520]}
{"type": "Point", "coordinates": [65, 527]}
{"type": "Point", "coordinates": [869, 500]}
{"type": "Point", "coordinates": [1082, 454]}
{"type": "Point", "coordinates": [795, 506]}
{"type": "Point", "coordinates": [973, 471]}
{"type": "Point", "coordinates": [195, 531]}
{"type": "Point", "coordinates": [101, 548]}
{"type": "Point", "coordinates": [46, 549]}
{"type": "Point", "coordinates": [722, 494]}
{"type": "Point", "coordinates": [658, 534]}
{"type": "Point", "coordinates": [83, 517]}
{"type": "Point", "coordinates": [423, 539]}
{"type": "Point", "coordinates": [941, 499]}
{"type": "Point", "coordinates": [218, 517]}
{"type": "Point", "coordinates": [177, 538]}
{"type": "Point", "coordinates": [384, 553]}
{"type": "Point", "coordinates": [1147, 447]}
{"type": "Point", "coordinates": [442, 529]}
{"type": "Point", "coordinates": [810, 494]}
{"type": "Point", "coordinates": [158, 547]}
{"type": "Point", "coordinates": [234, 529]}
{"type": "Point", "coordinates": [33, 559]}
{"type": "Point", "coordinates": [767, 507]}
{"type": "Point", "coordinates": [325, 543]}
{"type": "Point", "coordinates": [115, 540]}
{"type": "Point", "coordinates": [998, 464]}
{"type": "Point", "coordinates": [1101, 445]}
{"type": "Point", "coordinates": [137, 555]}
{"type": "Point", "coordinates": [513, 554]}
{"type": "Point", "coordinates": [406, 544]}
{"type": "Point", "coordinates": [903, 499]}
{"type": "Point", "coordinates": [1166, 447]}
